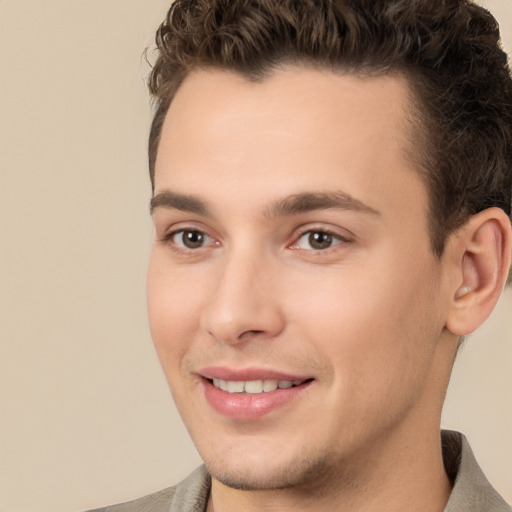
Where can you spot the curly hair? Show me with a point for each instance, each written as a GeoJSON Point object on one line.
{"type": "Point", "coordinates": [448, 50]}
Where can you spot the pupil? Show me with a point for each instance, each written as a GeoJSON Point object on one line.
{"type": "Point", "coordinates": [193, 239]}
{"type": "Point", "coordinates": [319, 240]}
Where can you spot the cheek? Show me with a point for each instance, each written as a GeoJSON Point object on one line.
{"type": "Point", "coordinates": [379, 348]}
{"type": "Point", "coordinates": [172, 310]}
{"type": "Point", "coordinates": [375, 330]}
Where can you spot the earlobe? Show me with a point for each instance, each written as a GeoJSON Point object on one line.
{"type": "Point", "coordinates": [483, 255]}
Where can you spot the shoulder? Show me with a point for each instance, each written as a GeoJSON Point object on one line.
{"type": "Point", "coordinates": [471, 490]}
{"type": "Point", "coordinates": [156, 502]}
{"type": "Point", "coordinates": [190, 495]}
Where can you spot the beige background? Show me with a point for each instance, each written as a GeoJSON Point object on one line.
{"type": "Point", "coordinates": [85, 415]}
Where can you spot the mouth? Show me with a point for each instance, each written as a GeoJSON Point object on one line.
{"type": "Point", "coordinates": [251, 394]}
{"type": "Point", "coordinates": [255, 387]}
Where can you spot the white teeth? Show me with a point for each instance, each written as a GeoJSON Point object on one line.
{"type": "Point", "coordinates": [221, 384]}
{"type": "Point", "coordinates": [269, 385]}
{"type": "Point", "coordinates": [254, 386]}
{"type": "Point", "coordinates": [235, 387]}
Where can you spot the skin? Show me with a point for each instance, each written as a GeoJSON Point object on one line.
{"type": "Point", "coordinates": [365, 318]}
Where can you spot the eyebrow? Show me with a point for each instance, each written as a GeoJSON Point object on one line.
{"type": "Point", "coordinates": [183, 202]}
{"type": "Point", "coordinates": [292, 205]}
{"type": "Point", "coordinates": [311, 201]}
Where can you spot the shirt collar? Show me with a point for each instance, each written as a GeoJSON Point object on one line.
{"type": "Point", "coordinates": [471, 492]}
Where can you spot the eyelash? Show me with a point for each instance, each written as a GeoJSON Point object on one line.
{"type": "Point", "coordinates": [168, 239]}
{"type": "Point", "coordinates": [336, 239]}
{"type": "Point", "coordinates": [320, 230]}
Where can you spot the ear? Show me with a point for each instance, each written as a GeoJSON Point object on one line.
{"type": "Point", "coordinates": [482, 253]}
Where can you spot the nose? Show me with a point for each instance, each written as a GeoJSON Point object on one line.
{"type": "Point", "coordinates": [243, 304]}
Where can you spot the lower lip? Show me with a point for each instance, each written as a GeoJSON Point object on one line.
{"type": "Point", "coordinates": [249, 406]}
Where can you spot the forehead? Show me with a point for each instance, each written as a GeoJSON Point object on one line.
{"type": "Point", "coordinates": [299, 129]}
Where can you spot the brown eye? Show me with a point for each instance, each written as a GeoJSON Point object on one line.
{"type": "Point", "coordinates": [191, 239]}
{"type": "Point", "coordinates": [319, 240]}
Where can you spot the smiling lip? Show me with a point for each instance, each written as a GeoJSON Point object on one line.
{"type": "Point", "coordinates": [246, 374]}
{"type": "Point", "coordinates": [249, 406]}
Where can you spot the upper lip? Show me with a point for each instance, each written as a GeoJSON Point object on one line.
{"type": "Point", "coordinates": [247, 374]}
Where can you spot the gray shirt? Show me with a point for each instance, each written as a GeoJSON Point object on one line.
{"type": "Point", "coordinates": [471, 490]}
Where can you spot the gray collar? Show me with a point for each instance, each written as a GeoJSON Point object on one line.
{"type": "Point", "coordinates": [471, 492]}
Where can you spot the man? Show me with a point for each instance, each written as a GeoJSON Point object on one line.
{"type": "Point", "coordinates": [331, 198]}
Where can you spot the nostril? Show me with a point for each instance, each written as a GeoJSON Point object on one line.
{"type": "Point", "coordinates": [252, 331]}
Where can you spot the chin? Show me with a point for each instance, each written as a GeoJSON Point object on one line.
{"type": "Point", "coordinates": [264, 477]}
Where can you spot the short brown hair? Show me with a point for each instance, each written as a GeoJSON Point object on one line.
{"type": "Point", "coordinates": [449, 50]}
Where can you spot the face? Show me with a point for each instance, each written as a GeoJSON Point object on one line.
{"type": "Point", "coordinates": [294, 299]}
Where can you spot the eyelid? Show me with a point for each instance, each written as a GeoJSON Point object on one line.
{"type": "Point", "coordinates": [169, 228]}
{"type": "Point", "coordinates": [174, 237]}
{"type": "Point", "coordinates": [343, 238]}
{"type": "Point", "coordinates": [170, 233]}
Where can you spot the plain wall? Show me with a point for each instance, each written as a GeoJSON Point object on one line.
{"type": "Point", "coordinates": [85, 415]}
